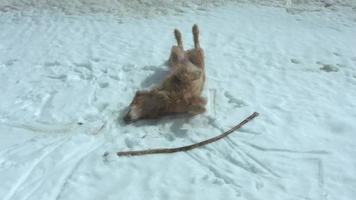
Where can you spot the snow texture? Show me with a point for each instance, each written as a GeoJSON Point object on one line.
{"type": "Point", "coordinates": [68, 70]}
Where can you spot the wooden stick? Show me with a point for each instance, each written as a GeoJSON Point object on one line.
{"type": "Point", "coordinates": [188, 147]}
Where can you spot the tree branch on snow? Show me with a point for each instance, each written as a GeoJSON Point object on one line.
{"type": "Point", "coordinates": [188, 147]}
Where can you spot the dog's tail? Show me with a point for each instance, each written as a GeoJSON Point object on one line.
{"type": "Point", "coordinates": [178, 38]}
{"type": "Point", "coordinates": [196, 36]}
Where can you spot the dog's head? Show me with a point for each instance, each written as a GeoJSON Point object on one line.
{"type": "Point", "coordinates": [146, 105]}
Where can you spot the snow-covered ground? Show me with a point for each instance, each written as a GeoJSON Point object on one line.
{"type": "Point", "coordinates": [67, 77]}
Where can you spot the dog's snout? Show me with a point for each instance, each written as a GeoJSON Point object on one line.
{"type": "Point", "coordinates": [127, 119]}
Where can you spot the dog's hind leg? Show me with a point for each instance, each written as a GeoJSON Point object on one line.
{"type": "Point", "coordinates": [196, 55]}
{"type": "Point", "coordinates": [195, 31]}
{"type": "Point", "coordinates": [178, 37]}
{"type": "Point", "coordinates": [177, 52]}
{"type": "Point", "coordinates": [177, 55]}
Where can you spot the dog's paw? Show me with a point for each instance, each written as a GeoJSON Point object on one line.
{"type": "Point", "coordinates": [198, 101]}
{"type": "Point", "coordinates": [195, 29]}
{"type": "Point", "coordinates": [196, 109]}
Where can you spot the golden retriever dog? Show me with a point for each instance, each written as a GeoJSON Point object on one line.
{"type": "Point", "coordinates": [180, 91]}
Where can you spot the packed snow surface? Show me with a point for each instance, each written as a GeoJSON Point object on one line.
{"type": "Point", "coordinates": [66, 79]}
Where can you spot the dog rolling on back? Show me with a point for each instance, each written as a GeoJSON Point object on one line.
{"type": "Point", "coordinates": [180, 91]}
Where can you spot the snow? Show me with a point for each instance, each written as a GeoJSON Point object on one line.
{"type": "Point", "coordinates": [67, 77]}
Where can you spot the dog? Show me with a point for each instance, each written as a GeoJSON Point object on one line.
{"type": "Point", "coordinates": [180, 91]}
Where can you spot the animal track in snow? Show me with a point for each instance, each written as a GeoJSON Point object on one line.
{"type": "Point", "coordinates": [115, 77]}
{"type": "Point", "coordinates": [232, 100]}
{"type": "Point", "coordinates": [294, 61]}
{"type": "Point", "coordinates": [329, 68]}
{"type": "Point", "coordinates": [50, 64]}
{"type": "Point", "coordinates": [87, 66]}
{"type": "Point", "coordinates": [336, 54]}
{"type": "Point", "coordinates": [103, 84]}
{"type": "Point", "coordinates": [84, 75]}
{"type": "Point", "coordinates": [128, 67]}
{"type": "Point", "coordinates": [10, 62]}
{"type": "Point", "coordinates": [62, 77]}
